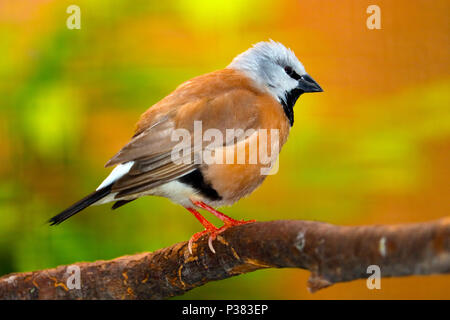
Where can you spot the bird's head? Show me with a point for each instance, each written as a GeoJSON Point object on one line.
{"type": "Point", "coordinates": [276, 68]}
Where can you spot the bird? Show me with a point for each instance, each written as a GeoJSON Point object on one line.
{"type": "Point", "coordinates": [256, 91]}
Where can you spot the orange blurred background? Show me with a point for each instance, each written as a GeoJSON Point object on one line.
{"type": "Point", "coordinates": [374, 148]}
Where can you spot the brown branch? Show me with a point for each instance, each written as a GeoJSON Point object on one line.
{"type": "Point", "coordinates": [332, 254]}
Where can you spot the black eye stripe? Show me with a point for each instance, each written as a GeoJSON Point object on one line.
{"type": "Point", "coordinates": [291, 73]}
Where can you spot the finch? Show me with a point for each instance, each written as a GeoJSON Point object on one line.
{"type": "Point", "coordinates": [254, 96]}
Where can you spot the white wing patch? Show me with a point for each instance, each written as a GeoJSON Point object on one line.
{"type": "Point", "coordinates": [117, 173]}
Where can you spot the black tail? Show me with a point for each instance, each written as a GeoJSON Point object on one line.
{"type": "Point", "coordinates": [120, 203]}
{"type": "Point", "coordinates": [80, 205]}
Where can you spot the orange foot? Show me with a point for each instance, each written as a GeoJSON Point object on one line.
{"type": "Point", "coordinates": [209, 227]}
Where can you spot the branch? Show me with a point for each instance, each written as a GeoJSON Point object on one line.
{"type": "Point", "coordinates": [332, 254]}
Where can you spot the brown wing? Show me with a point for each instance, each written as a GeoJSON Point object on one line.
{"type": "Point", "coordinates": [220, 100]}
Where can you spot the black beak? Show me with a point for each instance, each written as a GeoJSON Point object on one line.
{"type": "Point", "coordinates": [308, 84]}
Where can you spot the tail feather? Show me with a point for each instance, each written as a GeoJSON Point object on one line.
{"type": "Point", "coordinates": [80, 205]}
{"type": "Point", "coordinates": [120, 203]}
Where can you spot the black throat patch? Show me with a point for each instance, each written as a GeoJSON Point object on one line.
{"type": "Point", "coordinates": [289, 102]}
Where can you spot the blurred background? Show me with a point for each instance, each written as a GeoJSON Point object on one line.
{"type": "Point", "coordinates": [374, 148]}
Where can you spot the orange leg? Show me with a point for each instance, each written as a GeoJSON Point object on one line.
{"type": "Point", "coordinates": [228, 221]}
{"type": "Point", "coordinates": [209, 229]}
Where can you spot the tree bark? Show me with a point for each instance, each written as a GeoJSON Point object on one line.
{"type": "Point", "coordinates": [332, 254]}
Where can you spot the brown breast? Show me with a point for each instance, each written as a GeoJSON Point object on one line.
{"type": "Point", "coordinates": [236, 180]}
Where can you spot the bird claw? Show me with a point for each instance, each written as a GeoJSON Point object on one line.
{"type": "Point", "coordinates": [212, 236]}
{"type": "Point", "coordinates": [210, 245]}
{"type": "Point", "coordinates": [214, 232]}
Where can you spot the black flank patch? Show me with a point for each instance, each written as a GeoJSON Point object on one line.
{"type": "Point", "coordinates": [196, 180]}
